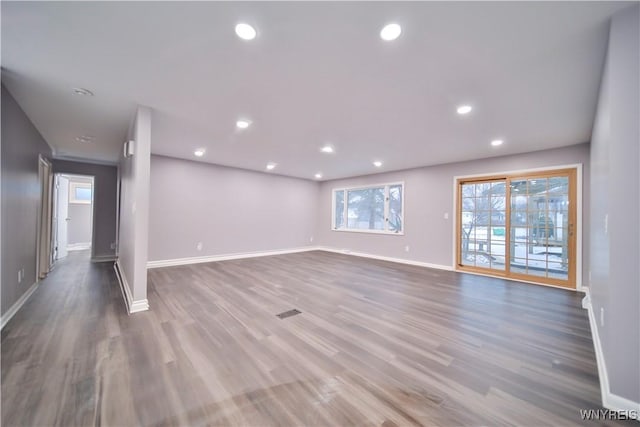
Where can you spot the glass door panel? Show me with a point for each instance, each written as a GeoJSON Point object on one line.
{"type": "Point", "coordinates": [539, 229]}
{"type": "Point", "coordinates": [482, 224]}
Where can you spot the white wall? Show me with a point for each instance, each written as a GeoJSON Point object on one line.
{"type": "Point", "coordinates": [615, 247]}
{"type": "Point", "coordinates": [429, 194]}
{"type": "Point", "coordinates": [228, 210]}
{"type": "Point", "coordinates": [134, 212]}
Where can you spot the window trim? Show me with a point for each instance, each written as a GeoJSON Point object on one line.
{"type": "Point", "coordinates": [72, 193]}
{"type": "Point", "coordinates": [386, 186]}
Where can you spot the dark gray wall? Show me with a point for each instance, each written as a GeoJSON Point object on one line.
{"type": "Point", "coordinates": [21, 145]}
{"type": "Point", "coordinates": [615, 252]}
{"type": "Point", "coordinates": [429, 194]}
{"type": "Point", "coordinates": [105, 202]}
{"type": "Point", "coordinates": [229, 210]}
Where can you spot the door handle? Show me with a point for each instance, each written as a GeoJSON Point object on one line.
{"type": "Point", "coordinates": [67, 219]}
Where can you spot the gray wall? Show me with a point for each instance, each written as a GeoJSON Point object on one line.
{"type": "Point", "coordinates": [229, 210]}
{"type": "Point", "coordinates": [105, 203]}
{"type": "Point", "coordinates": [615, 275]}
{"type": "Point", "coordinates": [21, 145]}
{"type": "Point", "coordinates": [429, 194]}
{"type": "Point", "coordinates": [134, 207]}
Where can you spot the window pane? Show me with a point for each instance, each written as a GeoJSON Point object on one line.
{"type": "Point", "coordinates": [83, 193]}
{"type": "Point", "coordinates": [365, 209]}
{"type": "Point", "coordinates": [395, 208]}
{"type": "Point", "coordinates": [338, 215]}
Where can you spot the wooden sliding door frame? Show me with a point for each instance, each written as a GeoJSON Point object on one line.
{"type": "Point", "coordinates": [574, 172]}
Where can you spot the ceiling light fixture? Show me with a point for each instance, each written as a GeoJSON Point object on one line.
{"type": "Point", "coordinates": [377, 163]}
{"type": "Point", "coordinates": [497, 142]}
{"type": "Point", "coordinates": [199, 152]}
{"type": "Point", "coordinates": [243, 124]}
{"type": "Point", "coordinates": [246, 31]}
{"type": "Point", "coordinates": [390, 32]}
{"type": "Point", "coordinates": [85, 138]}
{"type": "Point", "coordinates": [464, 109]}
{"type": "Point", "coordinates": [271, 166]}
{"type": "Point", "coordinates": [327, 149]}
{"type": "Point", "coordinates": [82, 91]}
{"type": "Point", "coordinates": [318, 175]}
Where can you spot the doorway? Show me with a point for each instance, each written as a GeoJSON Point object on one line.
{"type": "Point", "coordinates": [72, 214]}
{"type": "Point", "coordinates": [519, 226]}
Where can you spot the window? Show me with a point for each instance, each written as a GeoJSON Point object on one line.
{"type": "Point", "coordinates": [80, 192]}
{"type": "Point", "coordinates": [375, 209]}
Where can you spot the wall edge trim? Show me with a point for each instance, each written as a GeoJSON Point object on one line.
{"type": "Point", "coordinates": [386, 258]}
{"type": "Point", "coordinates": [609, 400]}
{"type": "Point", "coordinates": [131, 305]}
{"type": "Point", "coordinates": [6, 317]}
{"type": "Point", "coordinates": [225, 257]}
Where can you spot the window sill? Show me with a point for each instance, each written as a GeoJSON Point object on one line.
{"type": "Point", "coordinates": [389, 233]}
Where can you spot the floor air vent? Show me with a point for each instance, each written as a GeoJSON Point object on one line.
{"type": "Point", "coordinates": [288, 313]}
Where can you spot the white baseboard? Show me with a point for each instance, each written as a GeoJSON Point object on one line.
{"type": "Point", "coordinates": [225, 257]}
{"type": "Point", "coordinates": [104, 258]}
{"type": "Point", "coordinates": [17, 305]}
{"type": "Point", "coordinates": [78, 246]}
{"type": "Point", "coordinates": [132, 306]}
{"type": "Point", "coordinates": [609, 400]}
{"type": "Point", "coordinates": [385, 258]}
{"type": "Point", "coordinates": [138, 306]}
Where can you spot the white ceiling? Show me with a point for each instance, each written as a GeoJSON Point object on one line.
{"type": "Point", "coordinates": [317, 73]}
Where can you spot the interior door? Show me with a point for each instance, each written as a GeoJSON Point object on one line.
{"type": "Point", "coordinates": [62, 216]}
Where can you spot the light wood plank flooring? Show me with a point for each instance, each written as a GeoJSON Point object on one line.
{"type": "Point", "coordinates": [377, 343]}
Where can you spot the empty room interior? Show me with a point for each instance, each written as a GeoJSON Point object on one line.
{"type": "Point", "coordinates": [320, 213]}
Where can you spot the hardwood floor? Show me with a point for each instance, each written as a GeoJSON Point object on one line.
{"type": "Point", "coordinates": [376, 343]}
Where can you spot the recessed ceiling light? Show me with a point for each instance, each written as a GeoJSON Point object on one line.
{"type": "Point", "coordinates": [377, 163]}
{"type": "Point", "coordinates": [199, 152]}
{"type": "Point", "coordinates": [85, 138]}
{"type": "Point", "coordinates": [318, 175]}
{"type": "Point", "coordinates": [82, 91]}
{"type": "Point", "coordinates": [464, 109]}
{"type": "Point", "coordinates": [327, 149]}
{"type": "Point", "coordinates": [497, 142]}
{"type": "Point", "coordinates": [246, 31]}
{"type": "Point", "coordinates": [243, 124]}
{"type": "Point", "coordinates": [390, 32]}
{"type": "Point", "coordinates": [271, 166]}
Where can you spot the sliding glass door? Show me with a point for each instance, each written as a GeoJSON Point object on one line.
{"type": "Point", "coordinates": [519, 226]}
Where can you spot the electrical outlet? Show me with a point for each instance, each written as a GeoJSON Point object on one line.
{"type": "Point", "coordinates": [406, 248]}
{"type": "Point", "coordinates": [601, 317]}
{"type": "Point", "coordinates": [446, 215]}
{"type": "Point", "coordinates": [311, 239]}
{"type": "Point", "coordinates": [113, 245]}
{"type": "Point", "coordinates": [199, 246]}
{"type": "Point", "coordinates": [19, 276]}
